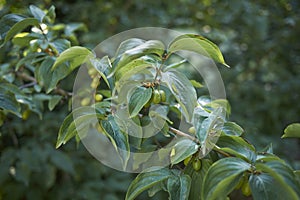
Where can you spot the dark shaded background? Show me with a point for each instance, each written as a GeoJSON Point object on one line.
{"type": "Point", "coordinates": [260, 42]}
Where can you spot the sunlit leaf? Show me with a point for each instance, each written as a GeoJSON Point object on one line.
{"type": "Point", "coordinates": [198, 44]}
{"type": "Point", "coordinates": [76, 55]}
{"type": "Point", "coordinates": [18, 27]}
{"type": "Point", "coordinates": [292, 130]}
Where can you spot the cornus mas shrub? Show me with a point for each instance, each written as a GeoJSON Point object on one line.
{"type": "Point", "coordinates": [135, 102]}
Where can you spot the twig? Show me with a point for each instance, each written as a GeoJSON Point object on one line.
{"type": "Point", "coordinates": [178, 132]}
{"type": "Point", "coordinates": [217, 149]}
{"type": "Point", "coordinates": [27, 77]}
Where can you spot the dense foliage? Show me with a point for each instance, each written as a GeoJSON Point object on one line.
{"type": "Point", "coordinates": [27, 58]}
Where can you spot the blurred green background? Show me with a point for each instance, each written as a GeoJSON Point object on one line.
{"type": "Point", "coordinates": [259, 39]}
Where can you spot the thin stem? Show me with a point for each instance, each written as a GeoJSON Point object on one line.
{"type": "Point", "coordinates": [178, 132]}
{"type": "Point", "coordinates": [27, 77]}
{"type": "Point", "coordinates": [217, 149]}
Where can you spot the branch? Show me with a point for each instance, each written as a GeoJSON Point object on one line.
{"type": "Point", "coordinates": [178, 132]}
{"type": "Point", "coordinates": [27, 77]}
{"type": "Point", "coordinates": [217, 149]}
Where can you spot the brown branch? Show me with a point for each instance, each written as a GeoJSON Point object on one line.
{"type": "Point", "coordinates": [178, 132]}
{"type": "Point", "coordinates": [217, 149]}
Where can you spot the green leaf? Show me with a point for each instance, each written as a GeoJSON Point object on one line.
{"type": "Point", "coordinates": [178, 187]}
{"type": "Point", "coordinates": [72, 27]}
{"type": "Point", "coordinates": [292, 130]}
{"type": "Point", "coordinates": [37, 13]}
{"type": "Point", "coordinates": [183, 148]}
{"type": "Point", "coordinates": [101, 66]}
{"type": "Point", "coordinates": [183, 91]}
{"type": "Point", "coordinates": [133, 66]}
{"type": "Point", "coordinates": [231, 128]}
{"type": "Point", "coordinates": [60, 45]}
{"type": "Point", "coordinates": [222, 177]}
{"type": "Point", "coordinates": [76, 55]}
{"type": "Point", "coordinates": [79, 120]}
{"type": "Point", "coordinates": [9, 103]}
{"type": "Point", "coordinates": [196, 84]}
{"type": "Point", "coordinates": [236, 146]}
{"type": "Point", "coordinates": [174, 65]}
{"type": "Point", "coordinates": [7, 21]}
{"type": "Point", "coordinates": [275, 180]}
{"type": "Point", "coordinates": [23, 39]}
{"type": "Point", "coordinates": [62, 161]}
{"type": "Point", "coordinates": [197, 178]}
{"type": "Point", "coordinates": [198, 44]}
{"type": "Point", "coordinates": [149, 47]}
{"type": "Point", "coordinates": [136, 101]}
{"type": "Point", "coordinates": [50, 15]}
{"type": "Point", "coordinates": [145, 181]}
{"type": "Point", "coordinates": [117, 137]}
{"type": "Point", "coordinates": [127, 45]}
{"type": "Point", "coordinates": [18, 27]}
{"type": "Point", "coordinates": [54, 101]}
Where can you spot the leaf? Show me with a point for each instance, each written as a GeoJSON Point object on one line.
{"type": "Point", "coordinates": [275, 180]}
{"type": "Point", "coordinates": [101, 66]}
{"type": "Point", "coordinates": [292, 130]}
{"type": "Point", "coordinates": [236, 146]}
{"type": "Point", "coordinates": [118, 138]}
{"type": "Point", "coordinates": [174, 65]}
{"type": "Point", "coordinates": [23, 39]}
{"type": "Point", "coordinates": [50, 15]}
{"type": "Point", "coordinates": [178, 187]}
{"type": "Point", "coordinates": [196, 84]}
{"type": "Point", "coordinates": [198, 44]}
{"type": "Point", "coordinates": [231, 128]}
{"type": "Point", "coordinates": [149, 47]}
{"type": "Point", "coordinates": [136, 101]}
{"type": "Point", "coordinates": [37, 13]}
{"type": "Point", "coordinates": [18, 27]}
{"type": "Point", "coordinates": [7, 21]}
{"type": "Point", "coordinates": [76, 55]}
{"type": "Point", "coordinates": [197, 178]}
{"type": "Point", "coordinates": [127, 45]}
{"type": "Point", "coordinates": [9, 103]}
{"type": "Point", "coordinates": [60, 45]}
{"type": "Point", "coordinates": [78, 120]}
{"type": "Point", "coordinates": [133, 66]}
{"type": "Point", "coordinates": [145, 181]}
{"type": "Point", "coordinates": [265, 187]}
{"type": "Point", "coordinates": [54, 101]}
{"type": "Point", "coordinates": [208, 130]}
{"type": "Point", "coordinates": [222, 177]}
{"type": "Point", "coordinates": [62, 161]}
{"type": "Point", "coordinates": [183, 148]}
{"type": "Point", "coordinates": [183, 91]}
{"type": "Point", "coordinates": [72, 27]}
